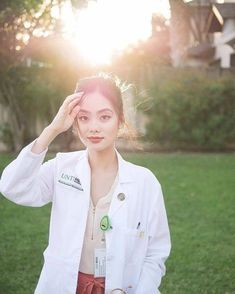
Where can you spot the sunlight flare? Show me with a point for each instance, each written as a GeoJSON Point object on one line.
{"type": "Point", "coordinates": [107, 27]}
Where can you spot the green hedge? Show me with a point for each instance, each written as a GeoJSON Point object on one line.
{"type": "Point", "coordinates": [192, 111]}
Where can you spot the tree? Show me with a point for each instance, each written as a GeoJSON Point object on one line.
{"type": "Point", "coordinates": [21, 22]}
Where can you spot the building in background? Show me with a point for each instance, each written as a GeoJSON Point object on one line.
{"type": "Point", "coordinates": [203, 34]}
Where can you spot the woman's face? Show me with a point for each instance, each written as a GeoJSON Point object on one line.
{"type": "Point", "coordinates": [98, 122]}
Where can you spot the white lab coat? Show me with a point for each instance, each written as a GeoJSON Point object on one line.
{"type": "Point", "coordinates": [134, 257]}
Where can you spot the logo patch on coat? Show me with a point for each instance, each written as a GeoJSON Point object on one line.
{"type": "Point", "coordinates": [70, 181]}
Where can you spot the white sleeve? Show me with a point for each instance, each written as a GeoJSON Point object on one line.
{"type": "Point", "coordinates": [27, 181]}
{"type": "Point", "coordinates": [159, 243]}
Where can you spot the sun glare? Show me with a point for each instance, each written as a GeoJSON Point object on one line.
{"type": "Point", "coordinates": [106, 27]}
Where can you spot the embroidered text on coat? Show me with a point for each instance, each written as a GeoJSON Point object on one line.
{"type": "Point", "coordinates": [70, 181]}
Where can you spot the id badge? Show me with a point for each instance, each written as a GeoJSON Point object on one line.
{"type": "Point", "coordinates": [99, 262]}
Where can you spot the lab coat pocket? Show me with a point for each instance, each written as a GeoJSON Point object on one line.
{"type": "Point", "coordinates": [136, 241]}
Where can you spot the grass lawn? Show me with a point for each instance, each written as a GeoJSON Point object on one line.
{"type": "Point", "coordinates": [199, 192]}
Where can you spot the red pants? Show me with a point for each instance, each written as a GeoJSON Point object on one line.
{"type": "Point", "coordinates": [87, 284]}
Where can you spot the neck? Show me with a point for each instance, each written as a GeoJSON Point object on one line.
{"type": "Point", "coordinates": [103, 160]}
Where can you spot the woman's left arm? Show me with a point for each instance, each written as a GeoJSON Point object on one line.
{"type": "Point", "coordinates": [159, 243]}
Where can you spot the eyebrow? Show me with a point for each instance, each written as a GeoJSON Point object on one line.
{"type": "Point", "coordinates": [102, 110]}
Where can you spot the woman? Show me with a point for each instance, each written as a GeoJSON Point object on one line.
{"type": "Point", "coordinates": [108, 228]}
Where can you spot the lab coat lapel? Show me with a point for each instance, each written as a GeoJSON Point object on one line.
{"type": "Point", "coordinates": [83, 173]}
{"type": "Point", "coordinates": [115, 238]}
{"type": "Point", "coordinates": [116, 203]}
{"type": "Point", "coordinates": [120, 194]}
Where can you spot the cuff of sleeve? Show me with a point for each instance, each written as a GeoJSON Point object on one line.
{"type": "Point", "coordinates": [28, 150]}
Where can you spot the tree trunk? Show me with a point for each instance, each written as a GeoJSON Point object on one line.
{"type": "Point", "coordinates": [16, 118]}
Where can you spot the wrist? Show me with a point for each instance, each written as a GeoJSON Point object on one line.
{"type": "Point", "coordinates": [52, 130]}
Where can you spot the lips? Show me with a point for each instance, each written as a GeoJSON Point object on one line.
{"type": "Point", "coordinates": [95, 139]}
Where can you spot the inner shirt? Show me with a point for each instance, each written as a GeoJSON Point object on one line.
{"type": "Point", "coordinates": [94, 236]}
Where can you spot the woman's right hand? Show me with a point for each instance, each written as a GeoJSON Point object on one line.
{"type": "Point", "coordinates": [67, 113]}
{"type": "Point", "coordinates": [61, 122]}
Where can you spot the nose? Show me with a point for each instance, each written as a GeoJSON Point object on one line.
{"type": "Point", "coordinates": [94, 126]}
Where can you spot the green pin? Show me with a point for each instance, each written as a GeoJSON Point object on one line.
{"type": "Point", "coordinates": [105, 223]}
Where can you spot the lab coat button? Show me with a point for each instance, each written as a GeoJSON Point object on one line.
{"type": "Point", "coordinates": [121, 196]}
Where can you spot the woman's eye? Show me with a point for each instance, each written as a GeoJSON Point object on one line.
{"type": "Point", "coordinates": [105, 117]}
{"type": "Point", "coordinates": [83, 118]}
